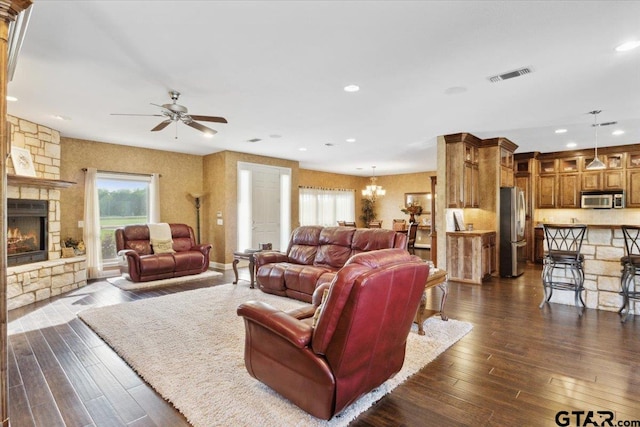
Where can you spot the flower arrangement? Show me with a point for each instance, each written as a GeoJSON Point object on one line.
{"type": "Point", "coordinates": [412, 209]}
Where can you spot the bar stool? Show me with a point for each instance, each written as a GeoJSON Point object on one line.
{"type": "Point", "coordinates": [630, 269]}
{"type": "Point", "coordinates": [563, 264]}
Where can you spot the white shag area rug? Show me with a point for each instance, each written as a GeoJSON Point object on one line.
{"type": "Point", "coordinates": [124, 282]}
{"type": "Point", "coordinates": [189, 347]}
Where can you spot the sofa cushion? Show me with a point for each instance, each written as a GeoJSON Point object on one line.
{"type": "Point", "coordinates": [182, 236]}
{"type": "Point", "coordinates": [157, 264]}
{"type": "Point", "coordinates": [373, 239]}
{"type": "Point", "coordinates": [303, 244]}
{"type": "Point", "coordinates": [188, 260]}
{"type": "Point", "coordinates": [303, 278]}
{"type": "Point", "coordinates": [334, 246]}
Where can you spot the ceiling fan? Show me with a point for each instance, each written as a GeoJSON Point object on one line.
{"type": "Point", "coordinates": [175, 112]}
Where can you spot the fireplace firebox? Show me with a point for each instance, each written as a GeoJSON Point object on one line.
{"type": "Point", "coordinates": [26, 231]}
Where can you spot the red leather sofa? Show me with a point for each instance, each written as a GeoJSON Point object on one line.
{"type": "Point", "coordinates": [357, 343]}
{"type": "Point", "coordinates": [139, 261]}
{"type": "Point", "coordinates": [315, 254]}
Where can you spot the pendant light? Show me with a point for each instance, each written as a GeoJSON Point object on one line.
{"type": "Point", "coordinates": [373, 191]}
{"type": "Point", "coordinates": [595, 163]}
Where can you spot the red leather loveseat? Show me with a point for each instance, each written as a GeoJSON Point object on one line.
{"type": "Point", "coordinates": [142, 264]}
{"type": "Point", "coordinates": [315, 254]}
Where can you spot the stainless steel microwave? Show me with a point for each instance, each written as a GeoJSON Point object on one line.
{"type": "Point", "coordinates": [603, 199]}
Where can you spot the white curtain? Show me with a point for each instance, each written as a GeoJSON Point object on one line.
{"type": "Point", "coordinates": [91, 234]}
{"type": "Point", "coordinates": [326, 207]}
{"type": "Point", "coordinates": [154, 198]}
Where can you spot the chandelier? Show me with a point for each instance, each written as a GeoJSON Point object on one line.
{"type": "Point", "coordinates": [596, 163]}
{"type": "Point", "coordinates": [373, 191]}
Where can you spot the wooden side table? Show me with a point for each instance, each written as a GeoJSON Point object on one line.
{"type": "Point", "coordinates": [246, 255]}
{"type": "Point", "coordinates": [437, 278]}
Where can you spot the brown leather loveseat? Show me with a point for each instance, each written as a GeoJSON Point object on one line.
{"type": "Point", "coordinates": [315, 254]}
{"type": "Point", "coordinates": [138, 259]}
{"type": "Point", "coordinates": [358, 340]}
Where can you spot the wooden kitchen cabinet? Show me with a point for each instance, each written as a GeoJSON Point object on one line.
{"type": "Point", "coordinates": [462, 171]}
{"type": "Point", "coordinates": [569, 190]}
{"type": "Point", "coordinates": [539, 245]}
{"type": "Point", "coordinates": [633, 188]}
{"type": "Point", "coordinates": [471, 255]}
{"type": "Point", "coordinates": [546, 191]}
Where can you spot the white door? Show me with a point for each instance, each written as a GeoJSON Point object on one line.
{"type": "Point", "coordinates": [265, 212]}
{"type": "Point", "coordinates": [264, 203]}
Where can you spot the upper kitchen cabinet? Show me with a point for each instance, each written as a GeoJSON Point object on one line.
{"type": "Point", "coordinates": [462, 170]}
{"type": "Point", "coordinates": [611, 178]}
{"type": "Point", "coordinates": [633, 179]}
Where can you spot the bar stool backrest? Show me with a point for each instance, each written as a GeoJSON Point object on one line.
{"type": "Point", "coordinates": [631, 239]}
{"type": "Point", "coordinates": [564, 240]}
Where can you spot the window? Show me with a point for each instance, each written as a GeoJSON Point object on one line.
{"type": "Point", "coordinates": [124, 199]}
{"type": "Point", "coordinates": [321, 206]}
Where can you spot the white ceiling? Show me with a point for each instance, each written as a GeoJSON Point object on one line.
{"type": "Point", "coordinates": [279, 68]}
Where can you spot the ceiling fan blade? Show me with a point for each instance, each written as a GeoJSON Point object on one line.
{"type": "Point", "coordinates": [148, 115]}
{"type": "Point", "coordinates": [161, 125]}
{"type": "Point", "coordinates": [201, 128]}
{"type": "Point", "coordinates": [209, 119]}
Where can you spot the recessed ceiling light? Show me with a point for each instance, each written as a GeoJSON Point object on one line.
{"type": "Point", "coordinates": [617, 132]}
{"type": "Point", "coordinates": [302, 149]}
{"type": "Point", "coordinates": [455, 90]}
{"type": "Point", "coordinates": [57, 117]}
{"type": "Point", "coordinates": [571, 145]}
{"type": "Point", "coordinates": [350, 140]}
{"type": "Point", "coordinates": [11, 98]}
{"type": "Point", "coordinates": [351, 88]}
{"type": "Point", "coordinates": [628, 46]}
{"type": "Point", "coordinates": [561, 131]}
{"type": "Point", "coordinates": [207, 134]}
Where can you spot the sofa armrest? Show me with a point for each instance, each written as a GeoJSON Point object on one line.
{"type": "Point", "coordinates": [269, 257]}
{"type": "Point", "coordinates": [129, 253]}
{"type": "Point", "coordinates": [293, 330]}
{"type": "Point", "coordinates": [204, 248]}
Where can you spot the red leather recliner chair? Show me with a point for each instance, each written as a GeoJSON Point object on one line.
{"type": "Point", "coordinates": [357, 344]}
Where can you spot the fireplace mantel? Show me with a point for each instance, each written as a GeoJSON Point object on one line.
{"type": "Point", "coordinates": [31, 181]}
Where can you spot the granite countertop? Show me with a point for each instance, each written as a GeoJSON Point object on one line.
{"type": "Point", "coordinates": [470, 233]}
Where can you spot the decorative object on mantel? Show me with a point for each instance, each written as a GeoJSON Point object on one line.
{"type": "Point", "coordinates": [373, 191]}
{"type": "Point", "coordinates": [22, 162]}
{"type": "Point", "coordinates": [412, 209]}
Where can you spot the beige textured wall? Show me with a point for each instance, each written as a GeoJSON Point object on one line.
{"type": "Point", "coordinates": [181, 174]}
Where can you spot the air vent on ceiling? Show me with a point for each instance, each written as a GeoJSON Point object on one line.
{"type": "Point", "coordinates": [510, 75]}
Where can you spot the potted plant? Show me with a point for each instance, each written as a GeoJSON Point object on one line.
{"type": "Point", "coordinates": [368, 211]}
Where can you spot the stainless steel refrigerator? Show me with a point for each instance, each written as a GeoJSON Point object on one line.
{"type": "Point", "coordinates": [512, 227]}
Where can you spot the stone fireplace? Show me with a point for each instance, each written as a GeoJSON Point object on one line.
{"type": "Point", "coordinates": [37, 274]}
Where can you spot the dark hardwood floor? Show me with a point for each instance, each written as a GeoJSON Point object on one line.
{"type": "Point", "coordinates": [519, 366]}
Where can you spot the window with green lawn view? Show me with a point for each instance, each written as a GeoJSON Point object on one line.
{"type": "Point", "coordinates": [124, 199]}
